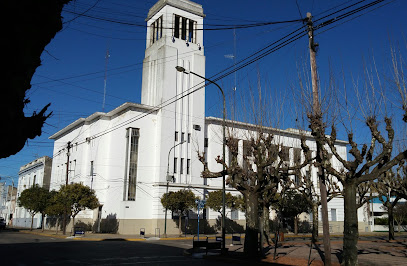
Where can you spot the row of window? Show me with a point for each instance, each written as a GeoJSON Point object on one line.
{"type": "Point", "coordinates": [182, 137]}
{"type": "Point", "coordinates": [181, 168]}
{"type": "Point", "coordinates": [183, 28]}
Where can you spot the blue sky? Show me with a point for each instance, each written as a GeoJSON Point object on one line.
{"type": "Point", "coordinates": [72, 74]}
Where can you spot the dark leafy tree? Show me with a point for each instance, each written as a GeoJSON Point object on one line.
{"type": "Point", "coordinates": [55, 208]}
{"type": "Point", "coordinates": [36, 200]}
{"type": "Point", "coordinates": [179, 202]}
{"type": "Point", "coordinates": [214, 201]}
{"type": "Point", "coordinates": [76, 198]}
{"type": "Point", "coordinates": [291, 204]}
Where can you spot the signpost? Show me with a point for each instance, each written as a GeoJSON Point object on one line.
{"type": "Point", "coordinates": [200, 204]}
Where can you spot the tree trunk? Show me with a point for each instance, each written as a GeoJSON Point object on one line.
{"type": "Point", "coordinates": [391, 222]}
{"type": "Point", "coordinates": [252, 229]}
{"type": "Point", "coordinates": [261, 230]}
{"type": "Point", "coordinates": [351, 232]}
{"type": "Point", "coordinates": [179, 224]}
{"type": "Point", "coordinates": [266, 223]}
{"type": "Point", "coordinates": [32, 222]}
{"type": "Point", "coordinates": [314, 223]}
{"type": "Point", "coordinates": [296, 225]}
{"type": "Point", "coordinates": [42, 221]}
{"type": "Point", "coordinates": [73, 225]}
{"type": "Point", "coordinates": [57, 222]}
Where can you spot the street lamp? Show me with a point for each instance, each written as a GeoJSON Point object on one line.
{"type": "Point", "coordinates": [181, 69]}
{"type": "Point", "coordinates": [168, 179]}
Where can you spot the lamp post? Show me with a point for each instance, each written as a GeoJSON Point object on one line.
{"type": "Point", "coordinates": [181, 69]}
{"type": "Point", "coordinates": [168, 179]}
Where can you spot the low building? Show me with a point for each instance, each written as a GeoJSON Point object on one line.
{"type": "Point", "coordinates": [37, 172]}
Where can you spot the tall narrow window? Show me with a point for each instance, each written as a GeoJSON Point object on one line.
{"type": "Point", "coordinates": [297, 156]}
{"type": "Point", "coordinates": [285, 154]}
{"type": "Point", "coordinates": [191, 31]}
{"type": "Point", "coordinates": [91, 169]}
{"type": "Point", "coordinates": [176, 135]}
{"type": "Point", "coordinates": [35, 177]}
{"type": "Point", "coordinates": [182, 136]}
{"type": "Point", "coordinates": [206, 142]}
{"type": "Point", "coordinates": [184, 29]}
{"type": "Point", "coordinates": [176, 26]}
{"type": "Point", "coordinates": [156, 30]}
{"type": "Point", "coordinates": [189, 137]}
{"type": "Point", "coordinates": [132, 172]}
{"type": "Point", "coordinates": [188, 166]}
{"type": "Point", "coordinates": [181, 169]}
{"type": "Point", "coordinates": [333, 215]}
{"type": "Point", "coordinates": [175, 165]}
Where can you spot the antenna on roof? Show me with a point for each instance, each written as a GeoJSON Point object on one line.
{"type": "Point", "coordinates": [233, 57]}
{"type": "Point", "coordinates": [104, 89]}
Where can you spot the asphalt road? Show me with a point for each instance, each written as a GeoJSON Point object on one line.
{"type": "Point", "coordinates": [26, 249]}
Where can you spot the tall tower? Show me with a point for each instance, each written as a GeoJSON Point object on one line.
{"type": "Point", "coordinates": [175, 38]}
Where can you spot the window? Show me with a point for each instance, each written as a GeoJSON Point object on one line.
{"type": "Point", "coordinates": [206, 142]}
{"type": "Point", "coordinates": [285, 154]}
{"type": "Point", "coordinates": [181, 169]}
{"type": "Point", "coordinates": [175, 165]}
{"type": "Point", "coordinates": [247, 153]}
{"type": "Point", "coordinates": [297, 156]}
{"type": "Point", "coordinates": [189, 137]}
{"type": "Point", "coordinates": [191, 31]}
{"type": "Point", "coordinates": [91, 168]}
{"type": "Point", "coordinates": [184, 28]}
{"type": "Point", "coordinates": [156, 30]}
{"type": "Point", "coordinates": [182, 137]}
{"type": "Point", "coordinates": [333, 215]}
{"type": "Point", "coordinates": [176, 135]}
{"type": "Point", "coordinates": [296, 180]}
{"type": "Point", "coordinates": [188, 166]}
{"type": "Point", "coordinates": [234, 215]}
{"type": "Point", "coordinates": [176, 26]}
{"type": "Point", "coordinates": [132, 169]}
{"type": "Point", "coordinates": [34, 180]}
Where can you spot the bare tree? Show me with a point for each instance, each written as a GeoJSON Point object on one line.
{"type": "Point", "coordinates": [365, 166]}
{"type": "Point", "coordinates": [263, 165]}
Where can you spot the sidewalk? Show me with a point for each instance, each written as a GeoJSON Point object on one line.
{"type": "Point", "coordinates": [294, 251]}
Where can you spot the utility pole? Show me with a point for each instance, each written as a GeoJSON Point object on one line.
{"type": "Point", "coordinates": [316, 110]}
{"type": "Point", "coordinates": [66, 182]}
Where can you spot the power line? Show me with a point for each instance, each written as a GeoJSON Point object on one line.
{"type": "Point", "coordinates": [275, 46]}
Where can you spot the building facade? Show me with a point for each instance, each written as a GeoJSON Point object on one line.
{"type": "Point", "coordinates": [37, 172]}
{"type": "Point", "coordinates": [127, 154]}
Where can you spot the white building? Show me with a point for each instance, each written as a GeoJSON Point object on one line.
{"type": "Point", "coordinates": [124, 155]}
{"type": "Point", "coordinates": [37, 172]}
{"type": "Point", "coordinates": [8, 198]}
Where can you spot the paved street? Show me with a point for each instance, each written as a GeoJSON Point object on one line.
{"type": "Point", "coordinates": [28, 249]}
{"type": "Point", "coordinates": [42, 248]}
